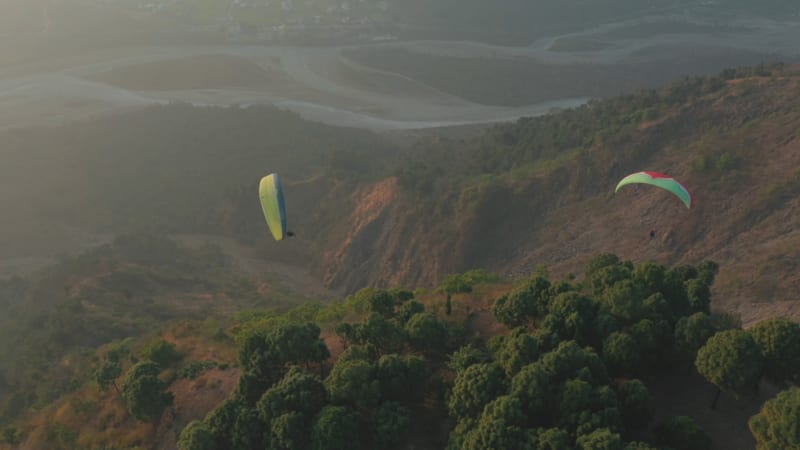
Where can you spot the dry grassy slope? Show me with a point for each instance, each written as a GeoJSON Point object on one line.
{"type": "Point", "coordinates": [100, 419]}
{"type": "Point", "coordinates": [746, 214]}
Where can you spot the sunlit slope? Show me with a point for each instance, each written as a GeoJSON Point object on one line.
{"type": "Point", "coordinates": [541, 192]}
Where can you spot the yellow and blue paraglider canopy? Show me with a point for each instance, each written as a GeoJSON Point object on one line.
{"type": "Point", "coordinates": [271, 194]}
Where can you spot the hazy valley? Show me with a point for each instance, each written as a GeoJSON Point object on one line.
{"type": "Point", "coordinates": [451, 187]}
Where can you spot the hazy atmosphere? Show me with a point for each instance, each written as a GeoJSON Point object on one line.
{"type": "Point", "coordinates": [399, 224]}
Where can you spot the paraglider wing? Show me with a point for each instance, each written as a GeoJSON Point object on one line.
{"type": "Point", "coordinates": [660, 180]}
{"type": "Point", "coordinates": [271, 194]}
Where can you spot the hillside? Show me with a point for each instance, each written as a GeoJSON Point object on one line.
{"type": "Point", "coordinates": [530, 201]}
{"type": "Point", "coordinates": [389, 209]}
{"type": "Point", "coordinates": [541, 192]}
{"type": "Point", "coordinates": [476, 363]}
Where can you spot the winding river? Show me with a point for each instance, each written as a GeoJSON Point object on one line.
{"type": "Point", "coordinates": [313, 86]}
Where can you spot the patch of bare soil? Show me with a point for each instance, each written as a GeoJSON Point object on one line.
{"type": "Point", "coordinates": [334, 345]}
{"type": "Point", "coordinates": [484, 324]}
{"type": "Point", "coordinates": [193, 400]}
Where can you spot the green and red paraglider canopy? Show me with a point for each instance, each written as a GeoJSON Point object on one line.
{"type": "Point", "coordinates": [659, 180]}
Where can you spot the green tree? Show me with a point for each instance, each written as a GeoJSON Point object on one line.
{"type": "Point", "coordinates": [571, 317]}
{"type": "Point", "coordinates": [248, 429]}
{"type": "Point", "coordinates": [250, 387]}
{"type": "Point", "coordinates": [255, 355]}
{"type": "Point", "coordinates": [402, 378]}
{"type": "Point", "coordinates": [604, 324]}
{"type": "Point", "coordinates": [221, 422]}
{"type": "Point", "coordinates": [777, 425]}
{"type": "Point", "coordinates": [295, 343]}
{"type": "Point", "coordinates": [732, 361]}
{"type": "Point", "coordinates": [583, 408]}
{"type": "Point", "coordinates": [465, 357]}
{"type": "Point", "coordinates": [464, 282]}
{"type": "Point", "coordinates": [474, 388]}
{"type": "Point", "coordinates": [651, 277]}
{"type": "Point", "coordinates": [288, 431]}
{"type": "Point", "coordinates": [532, 385]}
{"type": "Point", "coordinates": [426, 332]}
{"type": "Point", "coordinates": [335, 428]}
{"type": "Point", "coordinates": [347, 334]}
{"type": "Point", "coordinates": [354, 383]}
{"type": "Point", "coordinates": [386, 335]}
{"type": "Point", "coordinates": [639, 446]}
{"type": "Point", "coordinates": [266, 354]}
{"type": "Point", "coordinates": [675, 289]}
{"type": "Point", "coordinates": [655, 342]}
{"type": "Point", "coordinates": [691, 333]}
{"type": "Point", "coordinates": [524, 304]}
{"type": "Point", "coordinates": [599, 262]}
{"type": "Point", "coordinates": [288, 408]}
{"type": "Point", "coordinates": [196, 436]}
{"type": "Point", "coordinates": [657, 307]}
{"type": "Point", "coordinates": [569, 360]}
{"type": "Point", "coordinates": [500, 426]}
{"type": "Point", "coordinates": [409, 310]}
{"type": "Point", "coordinates": [9, 435]}
{"type": "Point", "coordinates": [460, 433]}
{"type": "Point", "coordinates": [554, 439]}
{"type": "Point", "coordinates": [779, 341]}
{"type": "Point", "coordinates": [699, 295]}
{"type": "Point", "coordinates": [634, 400]}
{"type": "Point", "coordinates": [378, 301]}
{"type": "Point", "coordinates": [119, 349]}
{"type": "Point", "coordinates": [681, 432]}
{"type": "Point", "coordinates": [298, 391]}
{"type": "Point", "coordinates": [707, 271]}
{"type": "Point", "coordinates": [625, 300]}
{"type": "Point", "coordinates": [359, 352]}
{"type": "Point", "coordinates": [607, 277]}
{"type": "Point", "coordinates": [161, 352]}
{"type": "Point", "coordinates": [106, 375]}
{"type": "Point", "coordinates": [391, 423]}
{"type": "Point", "coordinates": [621, 353]}
{"type": "Point", "coordinates": [600, 439]}
{"type": "Point", "coordinates": [144, 393]}
{"type": "Point", "coordinates": [515, 350]}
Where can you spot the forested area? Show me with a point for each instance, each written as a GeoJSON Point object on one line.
{"type": "Point", "coordinates": [601, 141]}
{"type": "Point", "coordinates": [118, 290]}
{"type": "Point", "coordinates": [572, 372]}
{"type": "Point", "coordinates": [562, 364]}
{"type": "Point", "coordinates": [540, 362]}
